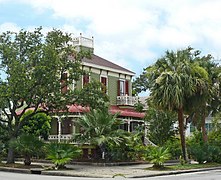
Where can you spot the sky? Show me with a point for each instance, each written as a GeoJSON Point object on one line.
{"type": "Point", "coordinates": [130, 33]}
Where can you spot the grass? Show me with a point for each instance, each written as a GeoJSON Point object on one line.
{"type": "Point", "coordinates": [185, 167]}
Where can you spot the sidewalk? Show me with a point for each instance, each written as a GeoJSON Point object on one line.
{"type": "Point", "coordinates": [128, 171]}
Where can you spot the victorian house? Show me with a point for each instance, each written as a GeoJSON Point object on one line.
{"type": "Point", "coordinates": [117, 81]}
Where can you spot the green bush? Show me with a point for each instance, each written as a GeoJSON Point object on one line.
{"type": "Point", "coordinates": [158, 156]}
{"type": "Point", "coordinates": [62, 153]}
{"type": "Point", "coordinates": [174, 147]}
{"type": "Point", "coordinates": [204, 152]}
{"type": "Point", "coordinates": [132, 149]}
{"type": "Point", "coordinates": [27, 146]}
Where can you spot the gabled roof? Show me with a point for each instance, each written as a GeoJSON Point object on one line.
{"type": "Point", "coordinates": [102, 63]}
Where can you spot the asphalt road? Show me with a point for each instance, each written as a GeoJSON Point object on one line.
{"type": "Point", "coordinates": [205, 175]}
{"type": "Point", "coordinates": [18, 176]}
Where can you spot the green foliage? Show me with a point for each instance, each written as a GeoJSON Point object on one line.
{"type": "Point", "coordinates": [38, 124]}
{"type": "Point", "coordinates": [34, 64]}
{"type": "Point", "coordinates": [132, 148]}
{"type": "Point", "coordinates": [214, 136]}
{"type": "Point", "coordinates": [61, 154]}
{"type": "Point", "coordinates": [99, 127]}
{"type": "Point", "coordinates": [161, 125]}
{"type": "Point", "coordinates": [174, 147]}
{"type": "Point", "coordinates": [201, 151]}
{"type": "Point", "coordinates": [139, 106]}
{"type": "Point", "coordinates": [140, 83]}
{"type": "Point", "coordinates": [28, 146]}
{"type": "Point", "coordinates": [173, 81]}
{"type": "Point", "coordinates": [93, 96]}
{"type": "Point", "coordinates": [158, 156]}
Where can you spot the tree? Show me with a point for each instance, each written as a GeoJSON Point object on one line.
{"type": "Point", "coordinates": [161, 125]}
{"type": "Point", "coordinates": [38, 124]}
{"type": "Point", "coordinates": [100, 129]}
{"type": "Point", "coordinates": [28, 146]}
{"type": "Point", "coordinates": [38, 69]}
{"type": "Point", "coordinates": [61, 153]}
{"type": "Point", "coordinates": [92, 95]}
{"type": "Point", "coordinates": [173, 79]}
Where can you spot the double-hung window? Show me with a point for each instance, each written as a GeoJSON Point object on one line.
{"type": "Point", "coordinates": [123, 87]}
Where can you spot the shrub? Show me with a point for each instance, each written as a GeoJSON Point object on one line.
{"type": "Point", "coordinates": [28, 146]}
{"type": "Point", "coordinates": [174, 147]}
{"type": "Point", "coordinates": [158, 156]}
{"type": "Point", "coordinates": [62, 153]}
{"type": "Point", "coordinates": [204, 152]}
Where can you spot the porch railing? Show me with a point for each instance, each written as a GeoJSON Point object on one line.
{"type": "Point", "coordinates": [127, 100]}
{"type": "Point", "coordinates": [62, 137]}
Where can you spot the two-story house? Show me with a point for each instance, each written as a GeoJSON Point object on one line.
{"type": "Point", "coordinates": [117, 81]}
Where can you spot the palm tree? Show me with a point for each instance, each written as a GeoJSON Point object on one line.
{"type": "Point", "coordinates": [100, 129]}
{"type": "Point", "coordinates": [172, 80]}
{"type": "Point", "coordinates": [62, 153]}
{"type": "Point", "coordinates": [207, 98]}
{"type": "Point", "coordinates": [28, 146]}
{"type": "Point", "coordinates": [158, 156]}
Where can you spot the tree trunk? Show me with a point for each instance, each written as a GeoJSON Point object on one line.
{"type": "Point", "coordinates": [182, 134]}
{"type": "Point", "coordinates": [10, 158]}
{"type": "Point", "coordinates": [27, 160]}
{"type": "Point", "coordinates": [203, 127]}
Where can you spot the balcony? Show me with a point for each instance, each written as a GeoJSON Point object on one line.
{"type": "Point", "coordinates": [127, 100]}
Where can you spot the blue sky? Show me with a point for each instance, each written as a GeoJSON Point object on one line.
{"type": "Point", "coordinates": [131, 33]}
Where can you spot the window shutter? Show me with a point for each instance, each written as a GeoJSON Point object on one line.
{"type": "Point", "coordinates": [118, 87]}
{"type": "Point", "coordinates": [127, 88]}
{"type": "Point", "coordinates": [104, 82]}
{"type": "Point", "coordinates": [64, 87]}
{"type": "Point", "coordinates": [85, 79]}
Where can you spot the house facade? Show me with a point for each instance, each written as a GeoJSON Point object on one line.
{"type": "Point", "coordinates": [117, 81]}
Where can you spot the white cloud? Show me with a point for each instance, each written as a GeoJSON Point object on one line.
{"type": "Point", "coordinates": [128, 29]}
{"type": "Point", "coordinates": [8, 26]}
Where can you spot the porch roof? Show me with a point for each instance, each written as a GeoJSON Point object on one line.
{"type": "Point", "coordinates": [127, 112]}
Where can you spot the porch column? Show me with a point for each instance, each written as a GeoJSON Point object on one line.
{"type": "Point", "coordinates": [128, 125]}
{"type": "Point", "coordinates": [145, 133]}
{"type": "Point", "coordinates": [59, 129]}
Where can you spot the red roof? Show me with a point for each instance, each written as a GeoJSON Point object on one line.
{"type": "Point", "coordinates": [127, 112]}
{"type": "Point", "coordinates": [78, 109]}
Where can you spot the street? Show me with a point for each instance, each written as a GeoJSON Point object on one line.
{"type": "Point", "coordinates": [206, 175]}
{"type": "Point", "coordinates": [18, 176]}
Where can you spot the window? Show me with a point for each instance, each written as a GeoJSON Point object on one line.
{"type": "Point", "coordinates": [123, 87]}
{"type": "Point", "coordinates": [86, 79]}
{"type": "Point", "coordinates": [104, 82]}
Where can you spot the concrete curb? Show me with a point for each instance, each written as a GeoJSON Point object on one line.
{"type": "Point", "coordinates": [177, 172]}
{"type": "Point", "coordinates": [16, 170]}
{"type": "Point", "coordinates": [78, 174]}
